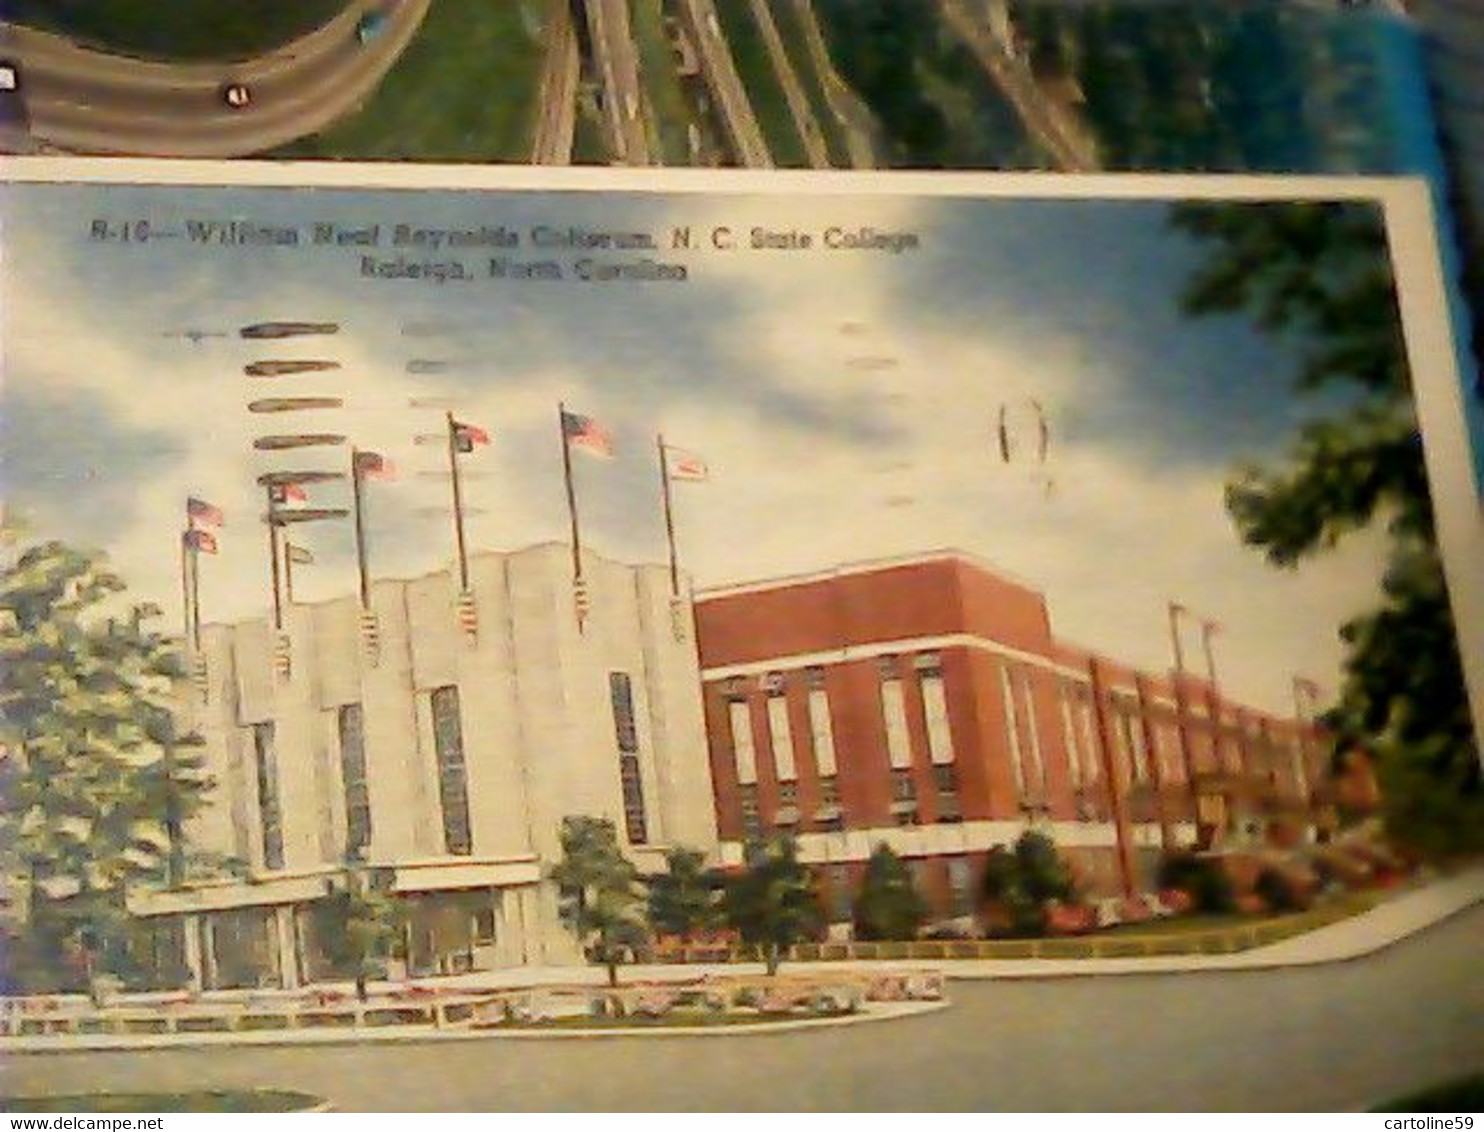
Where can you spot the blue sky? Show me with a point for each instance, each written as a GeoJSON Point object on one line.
{"type": "Point", "coordinates": [845, 400]}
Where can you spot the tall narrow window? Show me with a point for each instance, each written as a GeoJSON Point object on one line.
{"type": "Point", "coordinates": [935, 709]}
{"type": "Point", "coordinates": [352, 730]}
{"type": "Point", "coordinates": [626, 735]}
{"type": "Point", "coordinates": [820, 729]}
{"type": "Point", "coordinates": [453, 786]}
{"type": "Point", "coordinates": [742, 749]}
{"type": "Point", "coordinates": [894, 711]}
{"type": "Point", "coordinates": [1087, 727]}
{"type": "Point", "coordinates": [1033, 731]}
{"type": "Point", "coordinates": [1012, 729]}
{"type": "Point", "coordinates": [945, 779]}
{"type": "Point", "coordinates": [782, 737]}
{"type": "Point", "coordinates": [270, 816]}
{"type": "Point", "coordinates": [960, 885]}
{"type": "Point", "coordinates": [1070, 738]}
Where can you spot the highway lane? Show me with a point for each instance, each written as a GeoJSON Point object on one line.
{"type": "Point", "coordinates": [556, 109]}
{"type": "Point", "coordinates": [1331, 1037]}
{"type": "Point", "coordinates": [733, 107]}
{"type": "Point", "coordinates": [618, 67]}
{"type": "Point", "coordinates": [799, 109]}
{"type": "Point", "coordinates": [88, 101]}
{"type": "Point", "coordinates": [846, 105]}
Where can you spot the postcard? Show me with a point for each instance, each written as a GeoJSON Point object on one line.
{"type": "Point", "coordinates": [448, 608]}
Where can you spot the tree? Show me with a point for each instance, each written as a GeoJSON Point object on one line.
{"type": "Point", "coordinates": [360, 924]}
{"type": "Point", "coordinates": [1018, 883]}
{"type": "Point", "coordinates": [772, 903]}
{"type": "Point", "coordinates": [1319, 273]}
{"type": "Point", "coordinates": [599, 888]}
{"type": "Point", "coordinates": [889, 905]}
{"type": "Point", "coordinates": [682, 900]}
{"type": "Point", "coordinates": [99, 784]}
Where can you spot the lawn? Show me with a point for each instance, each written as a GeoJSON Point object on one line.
{"type": "Point", "coordinates": [465, 90]}
{"type": "Point", "coordinates": [764, 91]}
{"type": "Point", "coordinates": [255, 1100]}
{"type": "Point", "coordinates": [223, 29]}
{"type": "Point", "coordinates": [1351, 904]}
{"type": "Point", "coordinates": [796, 47]}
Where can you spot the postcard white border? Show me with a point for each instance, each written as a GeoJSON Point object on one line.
{"type": "Point", "coordinates": [1406, 201]}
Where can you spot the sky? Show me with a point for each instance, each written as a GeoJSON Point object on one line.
{"type": "Point", "coordinates": [847, 402]}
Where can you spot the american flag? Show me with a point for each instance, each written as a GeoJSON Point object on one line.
{"type": "Point", "coordinates": [586, 433]}
{"type": "Point", "coordinates": [467, 436]}
{"type": "Point", "coordinates": [199, 511]}
{"type": "Point", "coordinates": [289, 493]}
{"type": "Point", "coordinates": [373, 466]}
{"type": "Point", "coordinates": [202, 541]}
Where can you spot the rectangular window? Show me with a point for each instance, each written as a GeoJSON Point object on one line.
{"type": "Point", "coordinates": [822, 732]}
{"type": "Point", "coordinates": [1069, 738]}
{"type": "Point", "coordinates": [894, 711]}
{"type": "Point", "coordinates": [1037, 776]}
{"type": "Point", "coordinates": [842, 897]}
{"type": "Point", "coordinates": [1012, 730]}
{"type": "Point", "coordinates": [903, 797]}
{"type": "Point", "coordinates": [351, 727]}
{"type": "Point", "coordinates": [960, 885]}
{"type": "Point", "coordinates": [482, 926]}
{"type": "Point", "coordinates": [782, 737]}
{"type": "Point", "coordinates": [1087, 725]}
{"type": "Point", "coordinates": [935, 710]}
{"type": "Point", "coordinates": [742, 748]}
{"type": "Point", "coordinates": [621, 693]}
{"type": "Point", "coordinates": [453, 786]}
{"type": "Point", "coordinates": [634, 819]}
{"type": "Point", "coordinates": [752, 823]}
{"type": "Point", "coordinates": [626, 735]}
{"type": "Point", "coordinates": [945, 779]}
{"type": "Point", "coordinates": [269, 814]}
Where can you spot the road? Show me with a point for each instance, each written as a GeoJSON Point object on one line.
{"type": "Point", "coordinates": [556, 107]}
{"type": "Point", "coordinates": [87, 101]}
{"type": "Point", "coordinates": [1331, 1037]}
{"type": "Point", "coordinates": [1055, 130]}
{"type": "Point", "coordinates": [732, 105]}
{"type": "Point", "coordinates": [617, 61]}
{"type": "Point", "coordinates": [846, 105]}
{"type": "Point", "coordinates": [793, 91]}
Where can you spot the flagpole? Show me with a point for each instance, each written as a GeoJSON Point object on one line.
{"type": "Point", "coordinates": [669, 516]}
{"type": "Point", "coordinates": [571, 493]}
{"type": "Point", "coordinates": [185, 584]}
{"type": "Point", "coordinates": [273, 562]}
{"type": "Point", "coordinates": [195, 560]}
{"type": "Point", "coordinates": [360, 513]}
{"type": "Point", "coordinates": [458, 502]}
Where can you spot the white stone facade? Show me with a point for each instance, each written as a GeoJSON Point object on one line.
{"type": "Point", "coordinates": [540, 740]}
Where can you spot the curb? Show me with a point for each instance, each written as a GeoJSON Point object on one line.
{"type": "Point", "coordinates": [112, 1043]}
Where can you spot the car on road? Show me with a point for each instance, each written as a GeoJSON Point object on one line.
{"type": "Point", "coordinates": [10, 77]}
{"type": "Point", "coordinates": [370, 26]}
{"type": "Point", "coordinates": [237, 95]}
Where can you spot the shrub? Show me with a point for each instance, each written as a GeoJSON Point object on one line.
{"type": "Point", "coordinates": [1203, 878]}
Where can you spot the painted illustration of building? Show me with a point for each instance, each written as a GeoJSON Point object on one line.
{"type": "Point", "coordinates": [442, 746]}
{"type": "Point", "coordinates": [925, 703]}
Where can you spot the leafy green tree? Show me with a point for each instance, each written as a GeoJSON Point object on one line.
{"type": "Point", "coordinates": [682, 900]}
{"type": "Point", "coordinates": [1019, 882]}
{"type": "Point", "coordinates": [1320, 274]}
{"type": "Point", "coordinates": [889, 905]}
{"type": "Point", "coordinates": [772, 903]}
{"type": "Point", "coordinates": [601, 903]}
{"type": "Point", "coordinates": [359, 926]}
{"type": "Point", "coordinates": [98, 782]}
